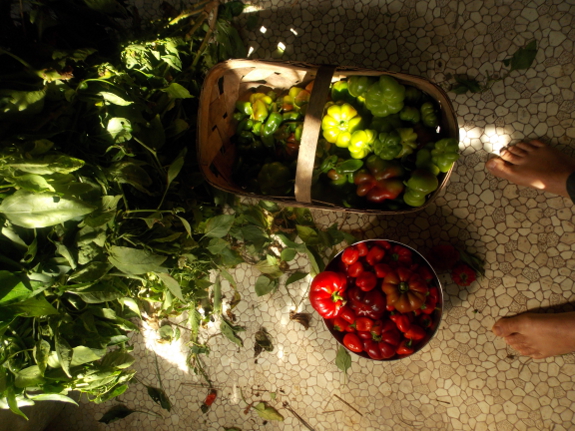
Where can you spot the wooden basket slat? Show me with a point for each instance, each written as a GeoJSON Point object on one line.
{"type": "Point", "coordinates": [239, 78]}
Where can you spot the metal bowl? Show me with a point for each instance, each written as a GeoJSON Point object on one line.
{"type": "Point", "coordinates": [335, 265]}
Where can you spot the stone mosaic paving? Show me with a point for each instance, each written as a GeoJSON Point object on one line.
{"type": "Point", "coordinates": [464, 379]}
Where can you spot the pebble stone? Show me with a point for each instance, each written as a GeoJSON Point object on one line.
{"type": "Point", "coordinates": [465, 378]}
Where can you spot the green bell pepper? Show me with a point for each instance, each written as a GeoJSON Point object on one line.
{"type": "Point", "coordinates": [429, 115]}
{"type": "Point", "coordinates": [408, 142]}
{"type": "Point", "coordinates": [275, 179]}
{"type": "Point", "coordinates": [291, 116]}
{"type": "Point", "coordinates": [410, 113]}
{"type": "Point", "coordinates": [339, 122]}
{"type": "Point", "coordinates": [340, 92]}
{"type": "Point", "coordinates": [423, 160]}
{"type": "Point", "coordinates": [245, 108]}
{"type": "Point", "coordinates": [239, 116]}
{"type": "Point", "coordinates": [272, 124]}
{"type": "Point", "coordinates": [388, 145]}
{"type": "Point", "coordinates": [260, 110]}
{"type": "Point", "coordinates": [386, 124]}
{"type": "Point", "coordinates": [445, 153]}
{"type": "Point", "coordinates": [385, 96]}
{"type": "Point", "coordinates": [420, 184]}
{"type": "Point", "coordinates": [412, 95]}
{"type": "Point", "coordinates": [357, 85]}
{"type": "Point", "coordinates": [245, 124]}
{"type": "Point", "coordinates": [361, 143]}
{"type": "Point", "coordinates": [422, 181]}
{"type": "Point", "coordinates": [257, 127]}
{"type": "Point", "coordinates": [413, 198]}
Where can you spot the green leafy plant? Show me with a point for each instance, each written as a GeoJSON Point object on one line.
{"type": "Point", "coordinates": [522, 59]}
{"type": "Point", "coordinates": [99, 225]}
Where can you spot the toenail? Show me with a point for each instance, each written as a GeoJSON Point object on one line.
{"type": "Point", "coordinates": [496, 330]}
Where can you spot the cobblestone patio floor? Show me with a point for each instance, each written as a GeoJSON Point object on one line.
{"type": "Point", "coordinates": [465, 379]}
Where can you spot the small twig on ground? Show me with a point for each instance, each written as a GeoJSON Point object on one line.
{"type": "Point", "coordinates": [348, 404]}
{"type": "Point", "coordinates": [298, 417]}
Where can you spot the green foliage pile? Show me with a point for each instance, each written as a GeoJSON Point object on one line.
{"type": "Point", "coordinates": [105, 217]}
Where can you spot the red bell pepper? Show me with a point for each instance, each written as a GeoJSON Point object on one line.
{"type": "Point", "coordinates": [347, 314]}
{"type": "Point", "coordinates": [405, 348]}
{"type": "Point", "coordinates": [355, 269]}
{"type": "Point", "coordinates": [429, 306]}
{"type": "Point", "coordinates": [363, 324]}
{"type": "Point", "coordinates": [463, 275]}
{"type": "Point", "coordinates": [326, 293]}
{"type": "Point", "coordinates": [402, 321]}
{"type": "Point", "coordinates": [362, 249]}
{"type": "Point", "coordinates": [415, 333]}
{"type": "Point", "coordinates": [375, 255]}
{"type": "Point", "coordinates": [339, 324]}
{"type": "Point", "coordinates": [350, 255]}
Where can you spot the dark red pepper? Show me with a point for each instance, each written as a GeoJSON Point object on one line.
{"type": "Point", "coordinates": [369, 304]}
{"type": "Point", "coordinates": [401, 254]}
{"type": "Point", "coordinates": [381, 270]}
{"type": "Point", "coordinates": [425, 321]}
{"type": "Point", "coordinates": [366, 281]}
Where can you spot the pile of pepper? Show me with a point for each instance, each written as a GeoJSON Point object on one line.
{"type": "Point", "coordinates": [381, 144]}
{"type": "Point", "coordinates": [379, 299]}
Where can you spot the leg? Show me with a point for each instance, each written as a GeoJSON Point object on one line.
{"type": "Point", "coordinates": [534, 164]}
{"type": "Point", "coordinates": [538, 335]}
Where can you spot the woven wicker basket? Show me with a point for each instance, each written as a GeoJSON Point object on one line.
{"type": "Point", "coordinates": [230, 80]}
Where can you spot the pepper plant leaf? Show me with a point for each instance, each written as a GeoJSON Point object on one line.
{"type": "Point", "coordinates": [116, 413]}
{"type": "Point", "coordinates": [267, 412]}
{"type": "Point", "coordinates": [34, 210]}
{"type": "Point", "coordinates": [36, 306]}
{"type": "Point", "coordinates": [230, 330]}
{"type": "Point", "coordinates": [343, 359]}
{"type": "Point", "coordinates": [522, 58]}
{"type": "Point", "coordinates": [135, 261]}
{"type": "Point", "coordinates": [265, 285]}
{"type": "Point", "coordinates": [218, 226]}
{"type": "Point", "coordinates": [296, 276]}
{"type": "Point", "coordinates": [172, 284]}
{"type": "Point", "coordinates": [175, 90]}
{"type": "Point", "coordinates": [64, 353]}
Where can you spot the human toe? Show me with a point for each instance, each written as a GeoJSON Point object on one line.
{"type": "Point", "coordinates": [520, 151]}
{"type": "Point", "coordinates": [507, 327]}
{"type": "Point", "coordinates": [496, 166]}
{"type": "Point", "coordinates": [513, 155]}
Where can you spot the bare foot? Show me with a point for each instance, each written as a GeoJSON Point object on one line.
{"type": "Point", "coordinates": [534, 164]}
{"type": "Point", "coordinates": [538, 335]}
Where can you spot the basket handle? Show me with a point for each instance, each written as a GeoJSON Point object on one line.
{"type": "Point", "coordinates": [310, 133]}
